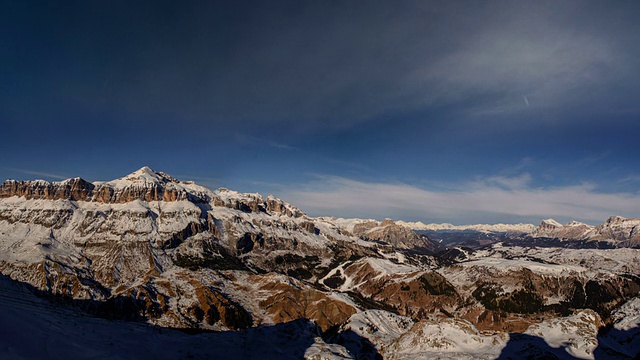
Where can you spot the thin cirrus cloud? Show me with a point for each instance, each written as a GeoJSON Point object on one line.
{"type": "Point", "coordinates": [37, 173]}
{"type": "Point", "coordinates": [248, 140]}
{"type": "Point", "coordinates": [488, 200]}
{"type": "Point", "coordinates": [301, 70]}
{"type": "Point", "coordinates": [548, 59]}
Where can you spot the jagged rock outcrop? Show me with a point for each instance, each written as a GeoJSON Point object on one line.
{"type": "Point", "coordinates": [549, 225]}
{"type": "Point", "coordinates": [144, 185]}
{"type": "Point", "coordinates": [573, 230]}
{"type": "Point", "coordinates": [72, 189]}
{"type": "Point", "coordinates": [618, 230]}
{"type": "Point", "coordinates": [398, 236]}
{"type": "Point", "coordinates": [275, 205]}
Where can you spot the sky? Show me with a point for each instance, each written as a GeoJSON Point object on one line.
{"type": "Point", "coordinates": [433, 111]}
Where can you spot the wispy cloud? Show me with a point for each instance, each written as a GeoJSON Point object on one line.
{"type": "Point", "coordinates": [252, 140]}
{"type": "Point", "coordinates": [594, 158]}
{"type": "Point", "coordinates": [549, 61]}
{"type": "Point", "coordinates": [347, 164]}
{"type": "Point", "coordinates": [37, 173]}
{"type": "Point", "coordinates": [492, 200]}
{"type": "Point", "coordinates": [389, 58]}
{"type": "Point", "coordinates": [503, 182]}
{"type": "Point", "coordinates": [631, 179]}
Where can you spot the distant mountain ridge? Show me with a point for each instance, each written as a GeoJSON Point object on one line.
{"type": "Point", "coordinates": [148, 185]}
{"type": "Point", "coordinates": [617, 229]}
{"type": "Point", "coordinates": [522, 228]}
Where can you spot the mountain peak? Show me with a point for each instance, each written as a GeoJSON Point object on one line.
{"type": "Point", "coordinates": [615, 219]}
{"type": "Point", "coordinates": [576, 223]}
{"type": "Point", "coordinates": [551, 223]}
{"type": "Point", "coordinates": [144, 170]}
{"type": "Point", "coordinates": [144, 175]}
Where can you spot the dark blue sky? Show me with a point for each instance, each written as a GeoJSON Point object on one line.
{"type": "Point", "coordinates": [500, 111]}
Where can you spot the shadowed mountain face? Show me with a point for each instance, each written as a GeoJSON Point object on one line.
{"type": "Point", "coordinates": [40, 329]}
{"type": "Point", "coordinates": [148, 247]}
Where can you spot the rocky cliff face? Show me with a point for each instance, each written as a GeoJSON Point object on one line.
{"type": "Point", "coordinates": [574, 230]}
{"type": "Point", "coordinates": [394, 234]}
{"type": "Point", "coordinates": [144, 185]}
{"type": "Point", "coordinates": [174, 252]}
{"type": "Point", "coordinates": [617, 230]}
{"type": "Point", "coordinates": [620, 229]}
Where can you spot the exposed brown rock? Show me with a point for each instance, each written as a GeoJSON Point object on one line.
{"type": "Point", "coordinates": [251, 203]}
{"type": "Point", "coordinates": [275, 205]}
{"type": "Point", "coordinates": [620, 229]}
{"type": "Point", "coordinates": [78, 189]}
{"type": "Point", "coordinates": [215, 307]}
{"type": "Point", "coordinates": [290, 303]}
{"type": "Point", "coordinates": [72, 189]}
{"type": "Point", "coordinates": [416, 295]}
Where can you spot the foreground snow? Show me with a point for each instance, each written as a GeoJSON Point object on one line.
{"type": "Point", "coordinates": [577, 336]}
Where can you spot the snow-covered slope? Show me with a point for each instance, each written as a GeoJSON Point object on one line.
{"type": "Point", "coordinates": [577, 334]}
{"type": "Point", "coordinates": [445, 339]}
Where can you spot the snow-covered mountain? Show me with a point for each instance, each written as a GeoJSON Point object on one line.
{"type": "Point", "coordinates": [515, 228]}
{"type": "Point", "coordinates": [573, 230]}
{"type": "Point", "coordinates": [617, 230]}
{"type": "Point", "coordinates": [151, 248]}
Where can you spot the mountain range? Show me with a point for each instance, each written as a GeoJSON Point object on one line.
{"type": "Point", "coordinates": [152, 249]}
